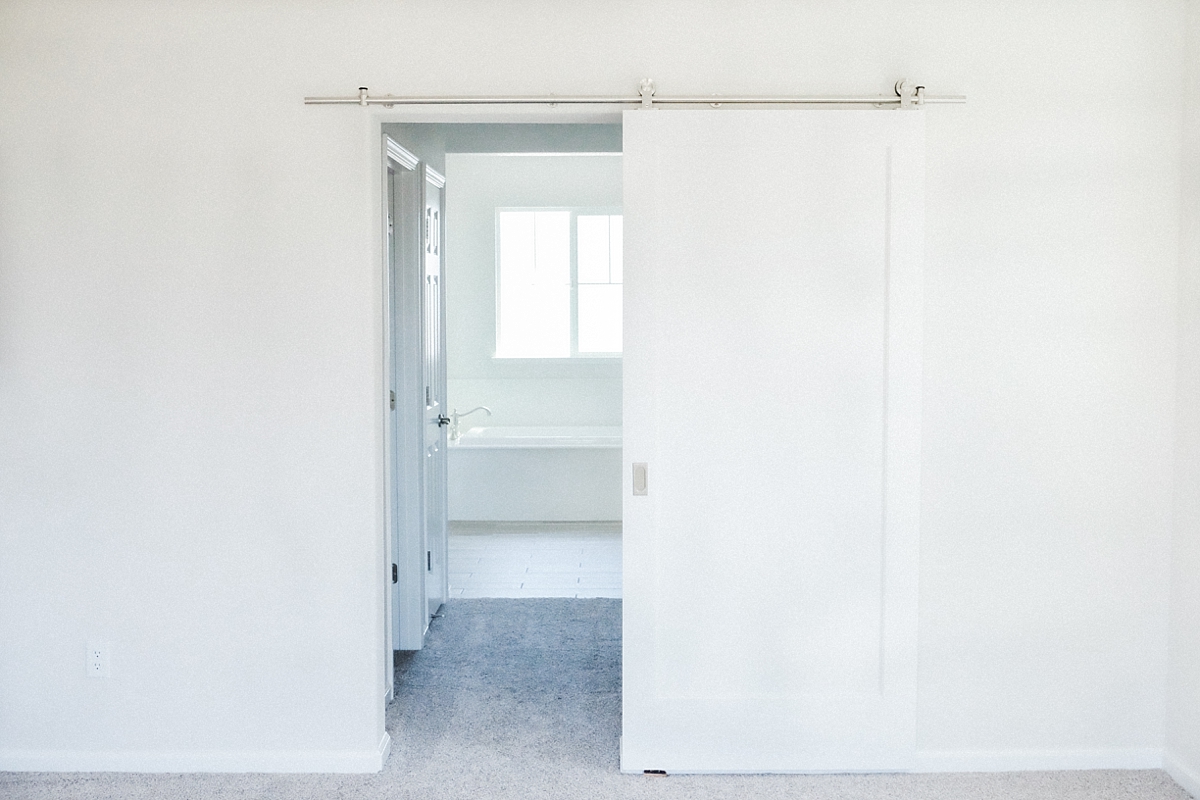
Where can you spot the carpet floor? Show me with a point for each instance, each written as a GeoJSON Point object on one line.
{"type": "Point", "coordinates": [520, 699]}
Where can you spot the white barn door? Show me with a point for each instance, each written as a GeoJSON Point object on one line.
{"type": "Point", "coordinates": [772, 384]}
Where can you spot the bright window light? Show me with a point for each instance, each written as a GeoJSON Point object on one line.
{"type": "Point", "coordinates": [600, 318]}
{"type": "Point", "coordinates": [534, 284]}
{"type": "Point", "coordinates": [599, 283]}
{"type": "Point", "coordinates": [552, 301]}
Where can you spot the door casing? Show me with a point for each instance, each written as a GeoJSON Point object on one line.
{"type": "Point", "coordinates": [408, 600]}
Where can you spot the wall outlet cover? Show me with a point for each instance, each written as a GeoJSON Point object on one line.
{"type": "Point", "coordinates": [97, 662]}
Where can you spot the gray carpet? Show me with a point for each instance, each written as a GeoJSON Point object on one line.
{"type": "Point", "coordinates": [520, 699]}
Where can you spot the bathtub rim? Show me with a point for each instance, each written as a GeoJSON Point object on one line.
{"type": "Point", "coordinates": [531, 437]}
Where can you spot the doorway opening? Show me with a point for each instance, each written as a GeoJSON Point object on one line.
{"type": "Point", "coordinates": [504, 330]}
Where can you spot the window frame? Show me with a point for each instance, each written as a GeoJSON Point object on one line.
{"type": "Point", "coordinates": [575, 212]}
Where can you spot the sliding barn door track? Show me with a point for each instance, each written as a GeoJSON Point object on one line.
{"type": "Point", "coordinates": [907, 96]}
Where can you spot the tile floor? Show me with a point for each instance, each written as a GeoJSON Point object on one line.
{"type": "Point", "coordinates": [535, 559]}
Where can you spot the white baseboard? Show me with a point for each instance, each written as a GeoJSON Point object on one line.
{"type": "Point", "coordinates": [1186, 776]}
{"type": "Point", "coordinates": [385, 750]}
{"type": "Point", "coordinates": [1037, 760]}
{"type": "Point", "coordinates": [185, 761]}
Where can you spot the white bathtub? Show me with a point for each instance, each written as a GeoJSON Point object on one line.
{"type": "Point", "coordinates": [561, 474]}
{"type": "Point", "coordinates": [548, 437]}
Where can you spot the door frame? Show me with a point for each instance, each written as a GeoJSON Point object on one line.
{"type": "Point", "coordinates": [407, 599]}
{"type": "Point", "coordinates": [402, 352]}
{"type": "Point", "coordinates": [397, 632]}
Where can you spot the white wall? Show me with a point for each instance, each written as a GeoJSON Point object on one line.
{"type": "Point", "coordinates": [190, 352]}
{"type": "Point", "coordinates": [536, 392]}
{"type": "Point", "coordinates": [1052, 230]}
{"type": "Point", "coordinates": [518, 391]}
{"type": "Point", "coordinates": [1183, 691]}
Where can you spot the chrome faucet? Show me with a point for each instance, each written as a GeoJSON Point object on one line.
{"type": "Point", "coordinates": [455, 431]}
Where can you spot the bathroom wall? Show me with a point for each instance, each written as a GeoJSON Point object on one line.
{"type": "Point", "coordinates": [431, 141]}
{"type": "Point", "coordinates": [540, 392]}
{"type": "Point", "coordinates": [519, 391]}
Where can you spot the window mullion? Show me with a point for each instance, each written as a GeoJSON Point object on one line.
{"type": "Point", "coordinates": [574, 285]}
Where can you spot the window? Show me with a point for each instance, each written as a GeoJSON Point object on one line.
{"type": "Point", "coordinates": [598, 283]}
{"type": "Point", "coordinates": [558, 283]}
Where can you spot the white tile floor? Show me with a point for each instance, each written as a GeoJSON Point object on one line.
{"type": "Point", "coordinates": [535, 559]}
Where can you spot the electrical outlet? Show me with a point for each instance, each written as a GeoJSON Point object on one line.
{"type": "Point", "coordinates": [97, 660]}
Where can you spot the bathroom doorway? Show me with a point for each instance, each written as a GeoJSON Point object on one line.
{"type": "Point", "coordinates": [531, 419]}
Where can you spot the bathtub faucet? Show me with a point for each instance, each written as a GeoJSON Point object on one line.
{"type": "Point", "coordinates": [455, 431]}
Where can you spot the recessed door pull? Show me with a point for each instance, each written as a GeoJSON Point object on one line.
{"type": "Point", "coordinates": [639, 478]}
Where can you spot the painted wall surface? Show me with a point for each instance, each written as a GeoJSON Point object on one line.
{"type": "Point", "coordinates": [191, 353]}
{"type": "Point", "coordinates": [431, 141]}
{"type": "Point", "coordinates": [1183, 691]}
{"type": "Point", "coordinates": [518, 391]}
{"type": "Point", "coordinates": [541, 392]}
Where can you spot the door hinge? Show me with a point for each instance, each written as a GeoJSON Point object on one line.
{"type": "Point", "coordinates": [395, 574]}
{"type": "Point", "coordinates": [392, 399]}
{"type": "Point", "coordinates": [429, 561]}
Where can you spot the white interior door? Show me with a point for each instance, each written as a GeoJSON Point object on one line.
{"type": "Point", "coordinates": [436, 414]}
{"type": "Point", "coordinates": [416, 424]}
{"type": "Point", "coordinates": [772, 386]}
